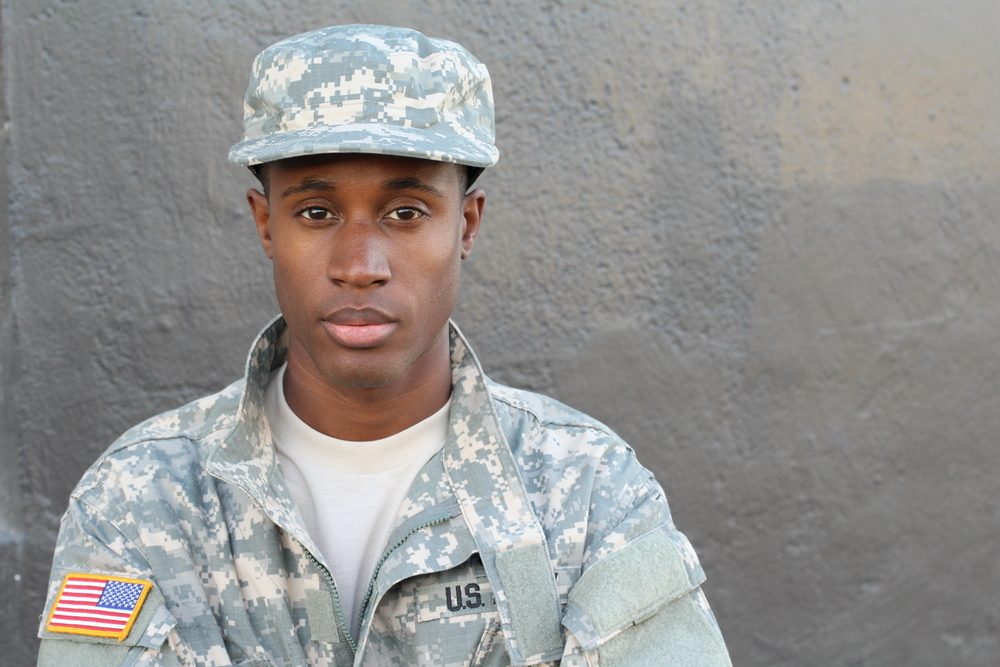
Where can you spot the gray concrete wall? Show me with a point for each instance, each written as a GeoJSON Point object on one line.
{"type": "Point", "coordinates": [758, 239]}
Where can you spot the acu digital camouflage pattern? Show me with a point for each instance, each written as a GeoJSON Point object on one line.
{"type": "Point", "coordinates": [368, 89]}
{"type": "Point", "coordinates": [195, 501]}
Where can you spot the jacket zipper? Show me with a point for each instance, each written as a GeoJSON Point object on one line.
{"type": "Point", "coordinates": [385, 555]}
{"type": "Point", "coordinates": [338, 611]}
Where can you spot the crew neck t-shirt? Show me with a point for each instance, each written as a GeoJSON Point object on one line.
{"type": "Point", "coordinates": [349, 492]}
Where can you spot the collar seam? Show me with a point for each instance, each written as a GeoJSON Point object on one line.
{"type": "Point", "coordinates": [517, 405]}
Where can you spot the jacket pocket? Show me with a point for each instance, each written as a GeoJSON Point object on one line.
{"type": "Point", "coordinates": [457, 622]}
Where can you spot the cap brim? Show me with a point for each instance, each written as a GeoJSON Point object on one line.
{"type": "Point", "coordinates": [374, 138]}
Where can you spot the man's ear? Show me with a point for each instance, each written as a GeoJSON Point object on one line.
{"type": "Point", "coordinates": [472, 212]}
{"type": "Point", "coordinates": [261, 212]}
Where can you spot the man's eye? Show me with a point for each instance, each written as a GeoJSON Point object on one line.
{"type": "Point", "coordinates": [316, 213]}
{"type": "Point", "coordinates": [406, 214]}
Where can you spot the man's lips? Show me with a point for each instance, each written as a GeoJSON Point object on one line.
{"type": "Point", "coordinates": [359, 327]}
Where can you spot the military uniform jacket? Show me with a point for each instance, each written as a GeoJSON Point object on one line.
{"type": "Point", "coordinates": [533, 538]}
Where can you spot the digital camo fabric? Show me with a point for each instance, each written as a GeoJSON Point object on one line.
{"type": "Point", "coordinates": [194, 501]}
{"type": "Point", "coordinates": [368, 89]}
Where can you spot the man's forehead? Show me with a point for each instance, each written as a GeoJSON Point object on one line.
{"type": "Point", "coordinates": [324, 172]}
{"type": "Point", "coordinates": [362, 162]}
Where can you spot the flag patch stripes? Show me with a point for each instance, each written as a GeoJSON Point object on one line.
{"type": "Point", "coordinates": [97, 605]}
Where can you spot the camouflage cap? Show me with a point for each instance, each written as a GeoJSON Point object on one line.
{"type": "Point", "coordinates": [368, 89]}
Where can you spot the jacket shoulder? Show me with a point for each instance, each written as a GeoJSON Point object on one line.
{"type": "Point", "coordinates": [191, 421]}
{"type": "Point", "coordinates": [547, 436]}
{"type": "Point", "coordinates": [578, 472]}
{"type": "Point", "coordinates": [172, 443]}
{"type": "Point", "coordinates": [515, 403]}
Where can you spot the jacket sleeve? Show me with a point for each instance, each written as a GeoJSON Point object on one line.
{"type": "Point", "coordinates": [638, 600]}
{"type": "Point", "coordinates": [89, 544]}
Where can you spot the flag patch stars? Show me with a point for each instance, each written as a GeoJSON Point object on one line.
{"type": "Point", "coordinates": [97, 605]}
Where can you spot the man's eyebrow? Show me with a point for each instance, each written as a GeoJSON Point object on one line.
{"type": "Point", "coordinates": [309, 185]}
{"type": "Point", "coordinates": [411, 184]}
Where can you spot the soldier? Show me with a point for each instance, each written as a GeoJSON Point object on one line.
{"type": "Point", "coordinates": [365, 495]}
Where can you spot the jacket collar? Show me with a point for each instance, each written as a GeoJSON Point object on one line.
{"type": "Point", "coordinates": [244, 454]}
{"type": "Point", "coordinates": [475, 475]}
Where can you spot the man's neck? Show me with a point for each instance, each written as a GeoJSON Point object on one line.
{"type": "Point", "coordinates": [365, 414]}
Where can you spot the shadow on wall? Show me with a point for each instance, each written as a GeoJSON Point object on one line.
{"type": "Point", "coordinates": [858, 436]}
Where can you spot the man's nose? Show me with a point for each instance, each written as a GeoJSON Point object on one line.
{"type": "Point", "coordinates": [358, 257]}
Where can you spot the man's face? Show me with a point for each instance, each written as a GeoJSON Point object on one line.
{"type": "Point", "coordinates": [366, 253]}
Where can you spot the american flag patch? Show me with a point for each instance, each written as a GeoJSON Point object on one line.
{"type": "Point", "coordinates": [97, 605]}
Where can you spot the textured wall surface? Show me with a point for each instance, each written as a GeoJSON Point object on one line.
{"type": "Point", "coordinates": [761, 243]}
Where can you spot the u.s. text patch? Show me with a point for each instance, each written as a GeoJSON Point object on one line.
{"type": "Point", "coordinates": [97, 605]}
{"type": "Point", "coordinates": [458, 597]}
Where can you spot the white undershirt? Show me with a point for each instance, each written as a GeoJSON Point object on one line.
{"type": "Point", "coordinates": [349, 492]}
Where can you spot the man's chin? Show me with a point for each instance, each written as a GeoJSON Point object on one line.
{"type": "Point", "coordinates": [366, 383]}
{"type": "Point", "coordinates": [361, 378]}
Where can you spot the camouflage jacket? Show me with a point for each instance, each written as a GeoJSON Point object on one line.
{"type": "Point", "coordinates": [533, 537]}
